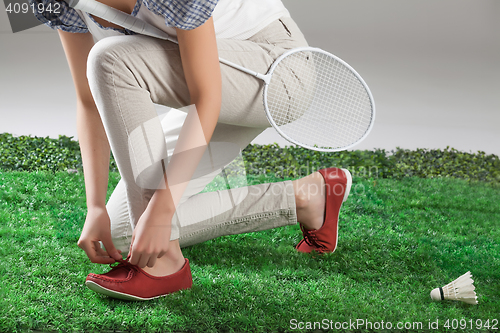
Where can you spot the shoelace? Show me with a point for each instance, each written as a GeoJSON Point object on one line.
{"type": "Point", "coordinates": [312, 240]}
{"type": "Point", "coordinates": [123, 263]}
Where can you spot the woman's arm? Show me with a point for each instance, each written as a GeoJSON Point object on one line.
{"type": "Point", "coordinates": [200, 62]}
{"type": "Point", "coordinates": [94, 144]}
{"type": "Point", "coordinates": [95, 151]}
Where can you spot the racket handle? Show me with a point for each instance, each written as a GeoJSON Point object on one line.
{"type": "Point", "coordinates": [266, 78]}
{"type": "Point", "coordinates": [120, 18]}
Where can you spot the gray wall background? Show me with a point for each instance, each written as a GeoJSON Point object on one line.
{"type": "Point", "coordinates": [433, 67]}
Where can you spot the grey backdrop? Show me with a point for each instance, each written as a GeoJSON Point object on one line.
{"type": "Point", "coordinates": [433, 67]}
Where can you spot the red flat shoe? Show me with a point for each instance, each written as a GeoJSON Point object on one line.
{"type": "Point", "coordinates": [130, 282]}
{"type": "Point", "coordinates": [337, 185]}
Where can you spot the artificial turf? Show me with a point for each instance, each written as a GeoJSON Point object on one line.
{"type": "Point", "coordinates": [399, 239]}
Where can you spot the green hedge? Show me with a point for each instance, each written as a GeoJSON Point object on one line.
{"type": "Point", "coordinates": [423, 163]}
{"type": "Point", "coordinates": [38, 153]}
{"type": "Point", "coordinates": [27, 153]}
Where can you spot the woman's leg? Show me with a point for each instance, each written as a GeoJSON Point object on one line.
{"type": "Point", "coordinates": [117, 205]}
{"type": "Point", "coordinates": [209, 215]}
{"type": "Point", "coordinates": [128, 73]}
{"type": "Point", "coordinates": [205, 216]}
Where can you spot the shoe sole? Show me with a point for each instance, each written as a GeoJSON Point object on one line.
{"type": "Point", "coordinates": [348, 176]}
{"type": "Point", "coordinates": [116, 294]}
{"type": "Point", "coordinates": [348, 185]}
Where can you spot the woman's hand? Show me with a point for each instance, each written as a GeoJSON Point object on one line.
{"type": "Point", "coordinates": [97, 228]}
{"type": "Point", "coordinates": [151, 237]}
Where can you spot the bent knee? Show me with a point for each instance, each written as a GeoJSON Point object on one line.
{"type": "Point", "coordinates": [102, 53]}
{"type": "Point", "coordinates": [104, 56]}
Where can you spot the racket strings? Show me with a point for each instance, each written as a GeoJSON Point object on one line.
{"type": "Point", "coordinates": [318, 101]}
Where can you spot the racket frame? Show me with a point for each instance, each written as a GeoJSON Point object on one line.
{"type": "Point", "coordinates": [284, 135]}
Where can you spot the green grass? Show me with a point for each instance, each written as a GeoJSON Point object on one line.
{"type": "Point", "coordinates": [398, 240]}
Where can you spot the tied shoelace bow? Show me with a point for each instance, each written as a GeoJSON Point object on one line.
{"type": "Point", "coordinates": [312, 240]}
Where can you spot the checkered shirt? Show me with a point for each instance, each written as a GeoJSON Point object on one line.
{"type": "Point", "coordinates": [182, 14]}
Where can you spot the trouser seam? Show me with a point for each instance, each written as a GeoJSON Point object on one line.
{"type": "Point", "coordinates": [280, 212]}
{"type": "Point", "coordinates": [291, 200]}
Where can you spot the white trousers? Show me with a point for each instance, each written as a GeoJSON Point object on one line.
{"type": "Point", "coordinates": [128, 74]}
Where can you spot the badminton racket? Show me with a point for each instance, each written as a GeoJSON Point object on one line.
{"type": "Point", "coordinates": [311, 97]}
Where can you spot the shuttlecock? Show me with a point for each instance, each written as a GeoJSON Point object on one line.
{"type": "Point", "coordinates": [461, 289]}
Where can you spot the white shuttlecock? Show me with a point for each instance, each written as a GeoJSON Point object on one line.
{"type": "Point", "coordinates": [461, 289]}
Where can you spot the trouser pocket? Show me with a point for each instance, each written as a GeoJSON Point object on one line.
{"type": "Point", "coordinates": [291, 90]}
{"type": "Point", "coordinates": [286, 28]}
